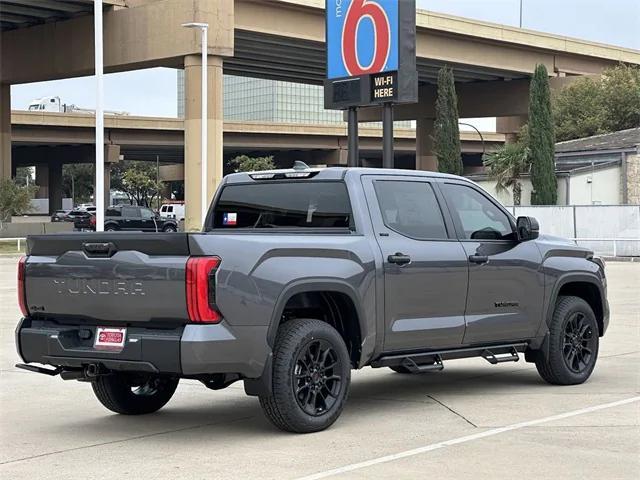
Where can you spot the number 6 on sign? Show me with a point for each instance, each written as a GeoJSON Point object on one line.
{"type": "Point", "coordinates": [362, 37]}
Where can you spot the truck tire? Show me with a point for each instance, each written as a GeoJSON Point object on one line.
{"type": "Point", "coordinates": [131, 395]}
{"type": "Point", "coordinates": [311, 375]}
{"type": "Point", "coordinates": [573, 343]}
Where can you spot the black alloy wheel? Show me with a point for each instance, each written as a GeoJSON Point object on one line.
{"type": "Point", "coordinates": [579, 342]}
{"type": "Point", "coordinates": [317, 377]}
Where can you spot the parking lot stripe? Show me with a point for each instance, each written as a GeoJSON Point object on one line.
{"type": "Point", "coordinates": [467, 438]}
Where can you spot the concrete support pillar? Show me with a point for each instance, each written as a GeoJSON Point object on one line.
{"type": "Point", "coordinates": [192, 167]}
{"type": "Point", "coordinates": [111, 156]}
{"type": "Point", "coordinates": [42, 180]}
{"type": "Point", "coordinates": [425, 156]}
{"type": "Point", "coordinates": [54, 187]}
{"type": "Point", "coordinates": [5, 131]}
{"type": "Point", "coordinates": [511, 126]}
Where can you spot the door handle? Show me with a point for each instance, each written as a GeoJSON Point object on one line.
{"type": "Point", "coordinates": [399, 258]}
{"type": "Point", "coordinates": [479, 259]}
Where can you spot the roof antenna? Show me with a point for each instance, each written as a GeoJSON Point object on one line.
{"type": "Point", "coordinates": [298, 165]}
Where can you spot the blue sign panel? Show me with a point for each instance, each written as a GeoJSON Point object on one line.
{"type": "Point", "coordinates": [362, 37]}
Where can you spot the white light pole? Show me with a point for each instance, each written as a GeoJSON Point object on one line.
{"type": "Point", "coordinates": [204, 203]}
{"type": "Point", "coordinates": [97, 35]}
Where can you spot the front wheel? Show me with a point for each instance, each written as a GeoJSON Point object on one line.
{"type": "Point", "coordinates": [169, 229]}
{"type": "Point", "coordinates": [311, 375]}
{"type": "Point", "coordinates": [132, 394]}
{"type": "Point", "coordinates": [573, 343]}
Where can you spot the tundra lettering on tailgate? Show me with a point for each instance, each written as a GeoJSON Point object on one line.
{"type": "Point", "coordinates": [82, 286]}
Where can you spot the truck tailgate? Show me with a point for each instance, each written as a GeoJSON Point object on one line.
{"type": "Point", "coordinates": [108, 277]}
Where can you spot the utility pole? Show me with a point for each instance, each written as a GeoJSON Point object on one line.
{"type": "Point", "coordinates": [387, 136]}
{"type": "Point", "coordinates": [97, 38]}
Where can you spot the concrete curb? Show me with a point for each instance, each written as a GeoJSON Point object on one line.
{"type": "Point", "coordinates": [621, 259]}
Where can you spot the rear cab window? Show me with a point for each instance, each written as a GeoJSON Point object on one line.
{"type": "Point", "coordinates": [289, 205]}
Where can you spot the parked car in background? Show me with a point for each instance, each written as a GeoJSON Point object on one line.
{"type": "Point", "coordinates": [74, 214]}
{"type": "Point", "coordinates": [172, 210]}
{"type": "Point", "coordinates": [61, 216]}
{"type": "Point", "coordinates": [128, 218]}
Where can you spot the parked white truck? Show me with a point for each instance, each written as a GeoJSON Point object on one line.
{"type": "Point", "coordinates": [53, 104]}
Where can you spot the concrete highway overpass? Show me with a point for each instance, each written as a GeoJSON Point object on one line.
{"type": "Point", "coordinates": [278, 39]}
{"type": "Point", "coordinates": [49, 140]}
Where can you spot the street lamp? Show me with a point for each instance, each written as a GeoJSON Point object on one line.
{"type": "Point", "coordinates": [479, 133]}
{"type": "Point", "coordinates": [97, 39]}
{"type": "Point", "coordinates": [203, 122]}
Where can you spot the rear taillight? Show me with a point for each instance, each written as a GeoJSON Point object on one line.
{"type": "Point", "coordinates": [201, 289]}
{"type": "Point", "coordinates": [22, 299]}
{"type": "Point", "coordinates": [92, 220]}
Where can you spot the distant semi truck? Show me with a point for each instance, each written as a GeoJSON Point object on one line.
{"type": "Point", "coordinates": [53, 104]}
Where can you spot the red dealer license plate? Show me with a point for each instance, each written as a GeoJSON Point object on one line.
{"type": "Point", "coordinates": [108, 338]}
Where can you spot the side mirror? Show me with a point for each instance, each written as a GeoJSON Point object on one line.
{"type": "Point", "coordinates": [528, 228]}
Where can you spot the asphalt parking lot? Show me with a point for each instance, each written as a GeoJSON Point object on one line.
{"type": "Point", "coordinates": [447, 425]}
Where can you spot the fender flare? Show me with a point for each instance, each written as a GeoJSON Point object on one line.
{"type": "Point", "coordinates": [564, 279]}
{"type": "Point", "coordinates": [313, 285]}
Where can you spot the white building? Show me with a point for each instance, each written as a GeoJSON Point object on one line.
{"type": "Point", "coordinates": [598, 170]}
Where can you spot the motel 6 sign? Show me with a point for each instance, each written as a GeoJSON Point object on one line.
{"type": "Point", "coordinates": [370, 52]}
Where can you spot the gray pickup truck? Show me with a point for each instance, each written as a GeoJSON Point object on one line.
{"type": "Point", "coordinates": [300, 276]}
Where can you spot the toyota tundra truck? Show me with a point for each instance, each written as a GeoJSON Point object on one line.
{"type": "Point", "coordinates": [299, 276]}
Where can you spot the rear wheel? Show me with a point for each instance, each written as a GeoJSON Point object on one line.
{"type": "Point", "coordinates": [573, 343]}
{"type": "Point", "coordinates": [133, 394]}
{"type": "Point", "coordinates": [311, 375]}
{"type": "Point", "coordinates": [169, 229]}
{"type": "Point", "coordinates": [110, 228]}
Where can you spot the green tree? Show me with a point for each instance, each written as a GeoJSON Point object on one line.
{"type": "Point", "coordinates": [243, 163]}
{"type": "Point", "coordinates": [621, 94]}
{"type": "Point", "coordinates": [138, 180]}
{"type": "Point", "coordinates": [507, 165]}
{"type": "Point", "coordinates": [24, 176]}
{"type": "Point", "coordinates": [15, 199]}
{"type": "Point", "coordinates": [594, 106]}
{"type": "Point", "coordinates": [446, 135]}
{"type": "Point", "coordinates": [78, 181]}
{"type": "Point", "coordinates": [578, 110]}
{"type": "Point", "coordinates": [542, 140]}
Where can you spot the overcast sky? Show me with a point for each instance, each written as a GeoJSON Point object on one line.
{"type": "Point", "coordinates": [153, 92]}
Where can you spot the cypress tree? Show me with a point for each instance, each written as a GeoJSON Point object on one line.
{"type": "Point", "coordinates": [446, 135]}
{"type": "Point", "coordinates": [542, 140]}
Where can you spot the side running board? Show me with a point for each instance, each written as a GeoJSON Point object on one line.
{"type": "Point", "coordinates": [430, 361]}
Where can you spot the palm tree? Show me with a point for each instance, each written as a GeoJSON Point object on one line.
{"type": "Point", "coordinates": [507, 165]}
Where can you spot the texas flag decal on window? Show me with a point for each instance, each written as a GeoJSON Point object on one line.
{"type": "Point", "coordinates": [230, 219]}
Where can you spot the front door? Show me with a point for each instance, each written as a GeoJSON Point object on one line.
{"type": "Point", "coordinates": [425, 267]}
{"type": "Point", "coordinates": [505, 282]}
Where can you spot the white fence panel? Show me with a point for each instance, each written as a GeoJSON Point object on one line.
{"type": "Point", "coordinates": [610, 230]}
{"type": "Point", "coordinates": [556, 220]}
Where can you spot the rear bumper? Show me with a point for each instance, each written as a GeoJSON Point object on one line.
{"type": "Point", "coordinates": [186, 351]}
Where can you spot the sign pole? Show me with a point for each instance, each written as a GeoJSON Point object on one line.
{"type": "Point", "coordinates": [387, 136]}
{"type": "Point", "coordinates": [353, 158]}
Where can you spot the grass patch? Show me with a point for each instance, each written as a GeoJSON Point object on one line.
{"type": "Point", "coordinates": [11, 246]}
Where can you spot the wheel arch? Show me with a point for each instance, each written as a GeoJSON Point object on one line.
{"type": "Point", "coordinates": [336, 298]}
{"type": "Point", "coordinates": [585, 286]}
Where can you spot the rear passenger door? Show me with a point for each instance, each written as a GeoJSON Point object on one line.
{"type": "Point", "coordinates": [130, 218]}
{"type": "Point", "coordinates": [425, 267]}
{"type": "Point", "coordinates": [505, 283]}
{"type": "Point", "coordinates": [148, 220]}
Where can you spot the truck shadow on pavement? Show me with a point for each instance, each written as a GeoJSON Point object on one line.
{"type": "Point", "coordinates": [234, 413]}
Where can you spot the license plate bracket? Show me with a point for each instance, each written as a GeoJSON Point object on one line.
{"type": "Point", "coordinates": [110, 338]}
